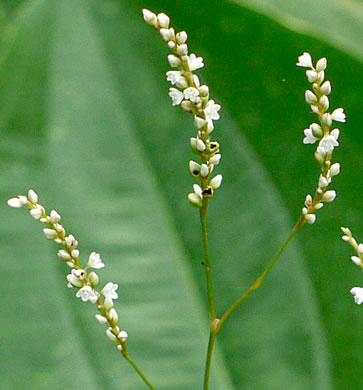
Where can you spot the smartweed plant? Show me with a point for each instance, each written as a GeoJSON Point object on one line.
{"type": "Point", "coordinates": [195, 99]}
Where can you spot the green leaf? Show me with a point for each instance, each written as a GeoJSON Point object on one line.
{"type": "Point", "coordinates": [86, 121]}
{"type": "Point", "coordinates": [338, 23]}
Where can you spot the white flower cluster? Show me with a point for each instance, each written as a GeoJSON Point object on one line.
{"type": "Point", "coordinates": [328, 139]}
{"type": "Point", "coordinates": [357, 292]}
{"type": "Point", "coordinates": [78, 278]}
{"type": "Point", "coordinates": [194, 99]}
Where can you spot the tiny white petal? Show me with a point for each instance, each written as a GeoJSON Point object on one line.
{"type": "Point", "coordinates": [74, 281]}
{"type": "Point", "coordinates": [328, 143]}
{"type": "Point", "coordinates": [335, 133]}
{"type": "Point", "coordinates": [191, 93]}
{"type": "Point", "coordinates": [176, 96]}
{"type": "Point", "coordinates": [211, 110]}
{"type": "Point", "coordinates": [86, 293]}
{"type": "Point", "coordinates": [309, 137]}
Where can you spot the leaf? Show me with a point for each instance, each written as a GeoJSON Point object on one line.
{"type": "Point", "coordinates": [338, 23]}
{"type": "Point", "coordinates": [107, 151]}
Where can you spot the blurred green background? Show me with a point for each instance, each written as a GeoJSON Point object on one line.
{"type": "Point", "coordinates": [85, 120]}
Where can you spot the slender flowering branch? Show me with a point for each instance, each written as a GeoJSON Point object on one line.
{"type": "Point", "coordinates": [79, 278]}
{"type": "Point", "coordinates": [194, 99]}
{"type": "Point", "coordinates": [357, 292]}
{"type": "Point", "coordinates": [328, 139]}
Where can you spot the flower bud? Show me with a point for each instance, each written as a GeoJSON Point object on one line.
{"type": "Point", "coordinates": [50, 234]}
{"type": "Point", "coordinates": [321, 64]}
{"type": "Point", "coordinates": [123, 336]}
{"type": "Point", "coordinates": [311, 75]}
{"type": "Point", "coordinates": [204, 90]}
{"type": "Point", "coordinates": [36, 213]}
{"type": "Point", "coordinates": [320, 155]}
{"type": "Point", "coordinates": [215, 159]}
{"type": "Point", "coordinates": [310, 97]}
{"type": "Point", "coordinates": [108, 304]}
{"type": "Point", "coordinates": [174, 61]}
{"type": "Point", "coordinates": [308, 200]}
{"type": "Point", "coordinates": [335, 169]}
{"type": "Point", "coordinates": [324, 102]}
{"type": "Point", "coordinates": [195, 200]}
{"type": "Point", "coordinates": [101, 319]}
{"type": "Point", "coordinates": [149, 17]}
{"type": "Point", "coordinates": [200, 145]}
{"type": "Point", "coordinates": [64, 255]}
{"type": "Point", "coordinates": [357, 260]}
{"type": "Point", "coordinates": [204, 170]}
{"type": "Point", "coordinates": [310, 218]}
{"type": "Point", "coordinates": [320, 77]}
{"type": "Point", "coordinates": [110, 335]}
{"type": "Point", "coordinates": [33, 197]}
{"type": "Point", "coordinates": [323, 182]}
{"type": "Point", "coordinates": [181, 37]}
{"type": "Point", "coordinates": [325, 89]}
{"type": "Point", "coordinates": [329, 196]}
{"type": "Point", "coordinates": [326, 119]}
{"type": "Point", "coordinates": [316, 130]}
{"type": "Point", "coordinates": [171, 44]}
{"type": "Point", "coordinates": [166, 34]}
{"type": "Point", "coordinates": [113, 317]}
{"type": "Point", "coordinates": [94, 279]}
{"type": "Point", "coordinates": [216, 182]}
{"type": "Point", "coordinates": [163, 20]}
{"type": "Point", "coordinates": [318, 206]}
{"type": "Point", "coordinates": [199, 122]}
{"type": "Point", "coordinates": [187, 106]}
{"type": "Point", "coordinates": [182, 50]}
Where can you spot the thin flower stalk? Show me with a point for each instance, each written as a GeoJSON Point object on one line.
{"type": "Point", "coordinates": [84, 282]}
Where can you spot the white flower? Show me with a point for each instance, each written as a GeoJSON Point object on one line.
{"type": "Point", "coordinates": [109, 291]}
{"type": "Point", "coordinates": [73, 280]}
{"type": "Point", "coordinates": [211, 110]}
{"type": "Point", "coordinates": [338, 115]}
{"type": "Point", "coordinates": [335, 133]}
{"type": "Point", "coordinates": [305, 61]}
{"type": "Point", "coordinates": [357, 292]}
{"type": "Point", "coordinates": [199, 122]}
{"type": "Point", "coordinates": [328, 143]}
{"type": "Point", "coordinates": [71, 241]}
{"type": "Point", "coordinates": [334, 169]}
{"type": "Point", "coordinates": [195, 62]}
{"type": "Point", "coordinates": [86, 293]}
{"type": "Point", "coordinates": [309, 138]}
{"type": "Point", "coordinates": [191, 93]}
{"type": "Point", "coordinates": [176, 96]}
{"type": "Point", "coordinates": [95, 261]}
{"type": "Point", "coordinates": [174, 76]}
{"type": "Point", "coordinates": [215, 159]}
{"type": "Point", "coordinates": [18, 202]}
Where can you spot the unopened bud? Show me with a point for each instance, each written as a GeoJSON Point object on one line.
{"type": "Point", "coordinates": [310, 97]}
{"type": "Point", "coordinates": [181, 37]}
{"type": "Point", "coordinates": [325, 89]}
{"type": "Point", "coordinates": [329, 196]}
{"type": "Point", "coordinates": [163, 20]}
{"type": "Point", "coordinates": [321, 64]}
{"type": "Point", "coordinates": [194, 168]}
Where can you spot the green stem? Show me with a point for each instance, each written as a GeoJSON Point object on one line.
{"type": "Point", "coordinates": [212, 339]}
{"type": "Point", "coordinates": [259, 281]}
{"type": "Point", "coordinates": [126, 355]}
{"type": "Point", "coordinates": [207, 265]}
